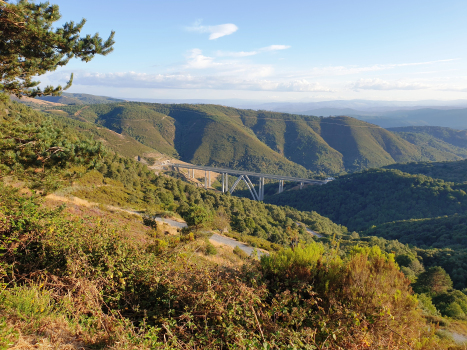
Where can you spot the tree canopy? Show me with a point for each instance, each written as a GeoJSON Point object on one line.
{"type": "Point", "coordinates": [30, 46]}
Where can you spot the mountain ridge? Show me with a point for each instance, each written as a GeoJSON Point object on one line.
{"type": "Point", "coordinates": [260, 141]}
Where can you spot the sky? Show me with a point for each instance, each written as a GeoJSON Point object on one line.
{"type": "Point", "coordinates": [291, 51]}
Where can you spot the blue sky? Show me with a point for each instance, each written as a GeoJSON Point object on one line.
{"type": "Point", "coordinates": [274, 50]}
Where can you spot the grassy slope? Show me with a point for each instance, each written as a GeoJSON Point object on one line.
{"type": "Point", "coordinates": [81, 121]}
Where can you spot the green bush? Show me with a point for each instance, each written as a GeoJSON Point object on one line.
{"type": "Point", "coordinates": [29, 302]}
{"type": "Point", "coordinates": [452, 304]}
{"type": "Point", "coordinates": [240, 253]}
{"type": "Point", "coordinates": [210, 248]}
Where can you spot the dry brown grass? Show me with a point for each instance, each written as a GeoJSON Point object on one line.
{"type": "Point", "coordinates": [132, 224]}
{"type": "Point", "coordinates": [36, 101]}
{"type": "Point", "coordinates": [71, 200]}
{"type": "Point", "coordinates": [225, 256]}
{"type": "Point", "coordinates": [53, 334]}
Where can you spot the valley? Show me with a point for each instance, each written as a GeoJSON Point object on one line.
{"type": "Point", "coordinates": [233, 176]}
{"type": "Point", "coordinates": [112, 173]}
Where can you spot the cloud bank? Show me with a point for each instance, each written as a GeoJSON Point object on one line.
{"type": "Point", "coordinates": [188, 81]}
{"type": "Point", "coordinates": [379, 84]}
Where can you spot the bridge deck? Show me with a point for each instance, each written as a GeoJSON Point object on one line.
{"type": "Point", "coordinates": [248, 173]}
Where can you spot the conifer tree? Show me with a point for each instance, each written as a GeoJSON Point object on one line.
{"type": "Point", "coordinates": [31, 46]}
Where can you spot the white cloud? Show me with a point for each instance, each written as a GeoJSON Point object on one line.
{"type": "Point", "coordinates": [252, 53]}
{"type": "Point", "coordinates": [275, 48]}
{"type": "Point", "coordinates": [349, 70]}
{"type": "Point", "coordinates": [197, 60]}
{"type": "Point", "coordinates": [301, 86]}
{"type": "Point", "coordinates": [216, 32]}
{"type": "Point", "coordinates": [379, 84]}
{"type": "Point", "coordinates": [453, 88]}
{"type": "Point", "coordinates": [189, 81]}
{"type": "Point", "coordinates": [236, 54]}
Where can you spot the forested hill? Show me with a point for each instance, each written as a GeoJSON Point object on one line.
{"type": "Point", "coordinates": [378, 196]}
{"type": "Point", "coordinates": [455, 171]}
{"type": "Point", "coordinates": [451, 143]}
{"type": "Point", "coordinates": [256, 140]}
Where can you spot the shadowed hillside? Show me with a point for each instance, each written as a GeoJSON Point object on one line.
{"type": "Point", "coordinates": [256, 140]}
{"type": "Point", "coordinates": [364, 145]}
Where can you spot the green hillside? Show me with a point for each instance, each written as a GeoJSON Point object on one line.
{"type": "Point", "coordinates": [80, 121]}
{"type": "Point", "coordinates": [436, 143]}
{"type": "Point", "coordinates": [255, 140]}
{"type": "Point", "coordinates": [375, 197]}
{"type": "Point", "coordinates": [365, 145]}
{"type": "Point", "coordinates": [454, 171]}
{"type": "Point", "coordinates": [438, 232]}
{"type": "Point", "coordinates": [194, 133]}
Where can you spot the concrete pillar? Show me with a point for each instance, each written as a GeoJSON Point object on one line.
{"type": "Point", "coordinates": [209, 178]}
{"type": "Point", "coordinates": [223, 182]}
{"type": "Point", "coordinates": [262, 186]}
{"type": "Point", "coordinates": [301, 185]}
{"type": "Point", "coordinates": [259, 190]}
{"type": "Point", "coordinates": [226, 182]}
{"type": "Point", "coordinates": [205, 179]}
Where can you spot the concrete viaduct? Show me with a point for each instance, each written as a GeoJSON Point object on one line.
{"type": "Point", "coordinates": [244, 175]}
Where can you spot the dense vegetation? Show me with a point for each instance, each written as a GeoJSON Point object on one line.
{"type": "Point", "coordinates": [378, 196]}
{"type": "Point", "coordinates": [116, 291]}
{"type": "Point", "coordinates": [436, 141]}
{"type": "Point", "coordinates": [448, 171]}
{"type": "Point", "coordinates": [95, 276]}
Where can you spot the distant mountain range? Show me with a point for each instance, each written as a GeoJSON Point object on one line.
{"type": "Point", "coordinates": [452, 118]}
{"type": "Point", "coordinates": [79, 99]}
{"type": "Point", "coordinates": [266, 141]}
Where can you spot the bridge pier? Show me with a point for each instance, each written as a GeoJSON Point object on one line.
{"type": "Point", "coordinates": [225, 182]}
{"type": "Point", "coordinates": [281, 186]}
{"type": "Point", "coordinates": [261, 189]}
{"type": "Point", "coordinates": [244, 175]}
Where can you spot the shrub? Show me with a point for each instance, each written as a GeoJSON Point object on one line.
{"type": "Point", "coordinates": [240, 253]}
{"type": "Point", "coordinates": [210, 249]}
{"type": "Point", "coordinates": [452, 303]}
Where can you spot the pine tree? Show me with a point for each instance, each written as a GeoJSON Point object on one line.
{"type": "Point", "coordinates": [30, 46]}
